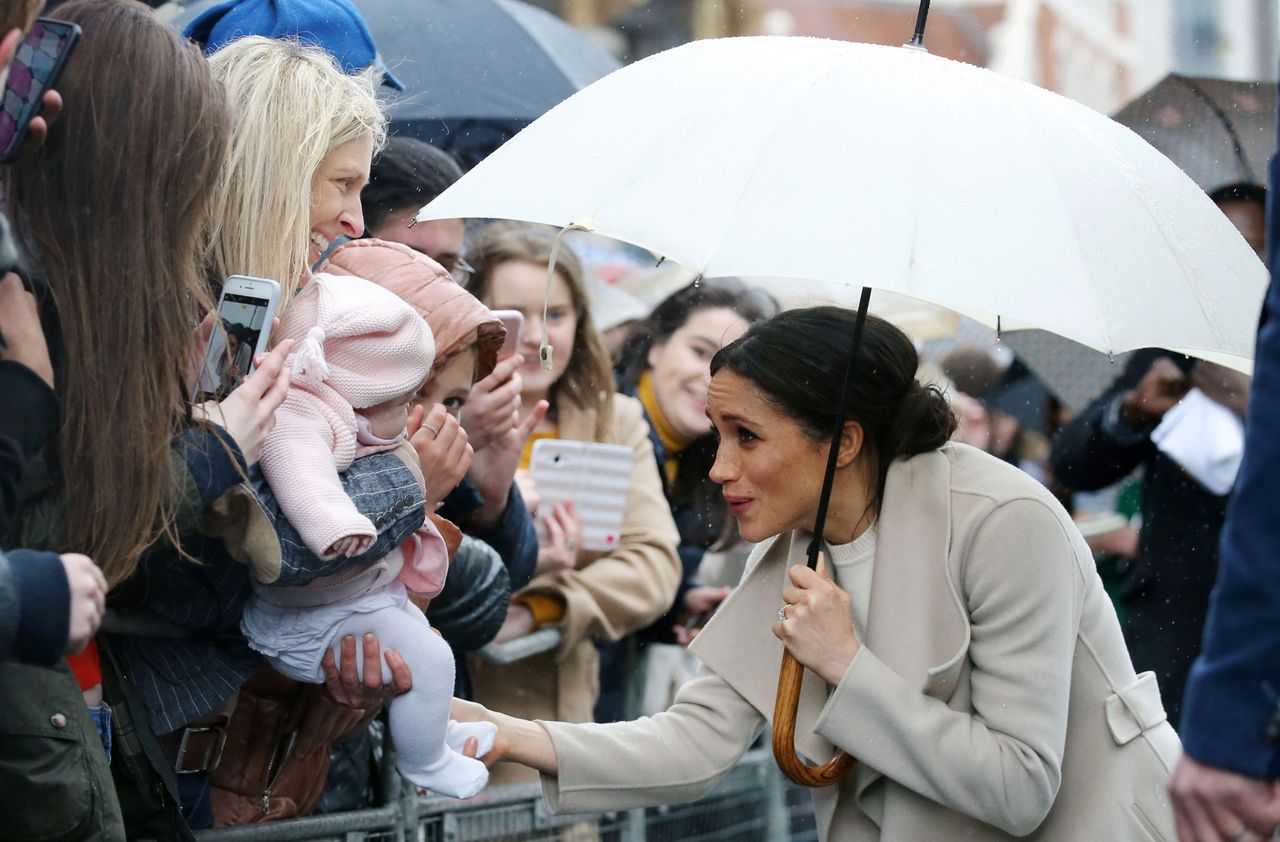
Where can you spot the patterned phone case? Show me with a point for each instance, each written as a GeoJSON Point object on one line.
{"type": "Point", "coordinates": [29, 74]}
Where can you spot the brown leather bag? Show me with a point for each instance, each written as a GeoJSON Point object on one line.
{"type": "Point", "coordinates": [263, 775]}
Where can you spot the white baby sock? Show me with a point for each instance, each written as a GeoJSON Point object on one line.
{"type": "Point", "coordinates": [457, 733]}
{"type": "Point", "coordinates": [454, 775]}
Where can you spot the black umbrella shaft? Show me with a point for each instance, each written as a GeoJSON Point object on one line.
{"type": "Point", "coordinates": [828, 479]}
{"type": "Point", "coordinates": [917, 40]}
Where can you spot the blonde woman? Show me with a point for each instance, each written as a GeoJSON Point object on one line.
{"type": "Point", "coordinates": [304, 134]}
{"type": "Point", "coordinates": [585, 594]}
{"type": "Point", "coordinates": [307, 134]}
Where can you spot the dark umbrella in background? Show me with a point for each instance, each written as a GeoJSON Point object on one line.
{"type": "Point", "coordinates": [475, 71]}
{"type": "Point", "coordinates": [478, 71]}
{"type": "Point", "coordinates": [1219, 132]}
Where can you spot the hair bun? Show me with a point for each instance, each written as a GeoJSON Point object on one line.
{"type": "Point", "coordinates": [923, 421]}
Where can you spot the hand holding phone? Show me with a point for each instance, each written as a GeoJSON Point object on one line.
{"type": "Point", "coordinates": [37, 64]}
{"type": "Point", "coordinates": [249, 413]}
{"type": "Point", "coordinates": [241, 331]}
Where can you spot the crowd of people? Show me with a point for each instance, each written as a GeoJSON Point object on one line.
{"type": "Point", "coordinates": [210, 609]}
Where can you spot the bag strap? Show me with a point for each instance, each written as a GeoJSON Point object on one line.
{"type": "Point", "coordinates": [134, 735]}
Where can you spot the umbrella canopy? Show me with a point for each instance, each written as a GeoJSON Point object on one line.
{"type": "Point", "coordinates": [1218, 131]}
{"type": "Point", "coordinates": [858, 164]}
{"type": "Point", "coordinates": [475, 71]}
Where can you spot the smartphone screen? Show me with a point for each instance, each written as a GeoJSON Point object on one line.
{"type": "Point", "coordinates": [240, 332]}
{"type": "Point", "coordinates": [35, 68]}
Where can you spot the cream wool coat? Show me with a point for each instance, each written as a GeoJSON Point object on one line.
{"type": "Point", "coordinates": [992, 698]}
{"type": "Point", "coordinates": [609, 595]}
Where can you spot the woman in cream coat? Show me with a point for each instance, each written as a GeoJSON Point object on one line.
{"type": "Point", "coordinates": [983, 684]}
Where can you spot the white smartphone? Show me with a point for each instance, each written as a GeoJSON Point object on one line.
{"type": "Point", "coordinates": [241, 332]}
{"type": "Point", "coordinates": [513, 321]}
{"type": "Point", "coordinates": [596, 477]}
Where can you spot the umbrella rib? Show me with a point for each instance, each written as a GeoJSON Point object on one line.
{"type": "Point", "coordinates": [1237, 146]}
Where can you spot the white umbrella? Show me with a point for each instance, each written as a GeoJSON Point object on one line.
{"type": "Point", "coordinates": [858, 164]}
{"type": "Point", "coordinates": [884, 167]}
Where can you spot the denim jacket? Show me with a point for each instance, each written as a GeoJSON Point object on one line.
{"type": "Point", "coordinates": [384, 490]}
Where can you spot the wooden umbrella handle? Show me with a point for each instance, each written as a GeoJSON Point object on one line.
{"type": "Point", "coordinates": [784, 733]}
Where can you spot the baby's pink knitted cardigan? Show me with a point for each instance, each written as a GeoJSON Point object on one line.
{"type": "Point", "coordinates": [370, 347]}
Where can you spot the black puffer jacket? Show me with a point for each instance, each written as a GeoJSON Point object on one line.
{"type": "Point", "coordinates": [472, 606]}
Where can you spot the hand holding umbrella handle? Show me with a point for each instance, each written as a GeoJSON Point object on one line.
{"type": "Point", "coordinates": [784, 733]}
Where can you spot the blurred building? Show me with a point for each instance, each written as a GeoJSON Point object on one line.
{"type": "Point", "coordinates": [1099, 52]}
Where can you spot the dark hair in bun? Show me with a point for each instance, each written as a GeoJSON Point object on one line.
{"type": "Point", "coordinates": [798, 358]}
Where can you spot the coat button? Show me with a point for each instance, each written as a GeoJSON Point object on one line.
{"type": "Point", "coordinates": [58, 721]}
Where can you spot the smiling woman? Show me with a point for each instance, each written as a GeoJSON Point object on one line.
{"type": "Point", "coordinates": [305, 135]}
{"type": "Point", "coordinates": [667, 365]}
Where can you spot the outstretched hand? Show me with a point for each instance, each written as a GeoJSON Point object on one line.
{"type": "Point", "coordinates": [495, 466]}
{"type": "Point", "coordinates": [443, 450]}
{"type": "Point", "coordinates": [493, 407]}
{"type": "Point", "coordinates": [465, 711]}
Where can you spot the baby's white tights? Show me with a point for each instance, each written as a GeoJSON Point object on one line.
{"type": "Point", "coordinates": [428, 746]}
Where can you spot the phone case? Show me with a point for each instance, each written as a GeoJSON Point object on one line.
{"type": "Point", "coordinates": [594, 476]}
{"type": "Point", "coordinates": [35, 68]}
{"type": "Point", "coordinates": [243, 330]}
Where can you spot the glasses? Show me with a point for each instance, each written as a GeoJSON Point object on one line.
{"type": "Point", "coordinates": [460, 269]}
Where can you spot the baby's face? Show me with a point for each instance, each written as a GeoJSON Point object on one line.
{"type": "Point", "coordinates": [388, 419]}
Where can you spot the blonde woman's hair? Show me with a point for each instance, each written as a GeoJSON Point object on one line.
{"type": "Point", "coordinates": [293, 105]}
{"type": "Point", "coordinates": [588, 379]}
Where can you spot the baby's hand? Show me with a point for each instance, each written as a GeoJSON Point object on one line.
{"type": "Point", "coordinates": [351, 546]}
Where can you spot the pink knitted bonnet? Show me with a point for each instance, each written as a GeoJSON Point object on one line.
{"type": "Point", "coordinates": [457, 318]}
{"type": "Point", "coordinates": [362, 341]}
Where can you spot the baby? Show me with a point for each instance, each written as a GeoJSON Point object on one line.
{"type": "Point", "coordinates": [361, 356]}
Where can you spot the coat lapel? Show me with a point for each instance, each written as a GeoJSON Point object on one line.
{"type": "Point", "coordinates": [918, 625]}
{"type": "Point", "coordinates": [739, 646]}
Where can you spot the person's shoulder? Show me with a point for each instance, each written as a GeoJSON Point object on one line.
{"type": "Point", "coordinates": [627, 410]}
{"type": "Point", "coordinates": [976, 473]}
{"type": "Point", "coordinates": [628, 424]}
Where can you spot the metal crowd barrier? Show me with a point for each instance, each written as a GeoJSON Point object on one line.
{"type": "Point", "coordinates": [753, 803]}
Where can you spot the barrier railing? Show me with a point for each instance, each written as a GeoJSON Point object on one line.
{"type": "Point", "coordinates": [752, 803]}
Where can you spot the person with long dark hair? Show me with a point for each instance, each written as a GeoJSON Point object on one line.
{"type": "Point", "coordinates": [666, 365]}
{"type": "Point", "coordinates": [585, 593]}
{"type": "Point", "coordinates": [108, 212]}
{"type": "Point", "coordinates": [958, 642]}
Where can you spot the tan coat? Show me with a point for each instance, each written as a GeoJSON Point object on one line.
{"type": "Point", "coordinates": [609, 595]}
{"type": "Point", "coordinates": [993, 696]}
